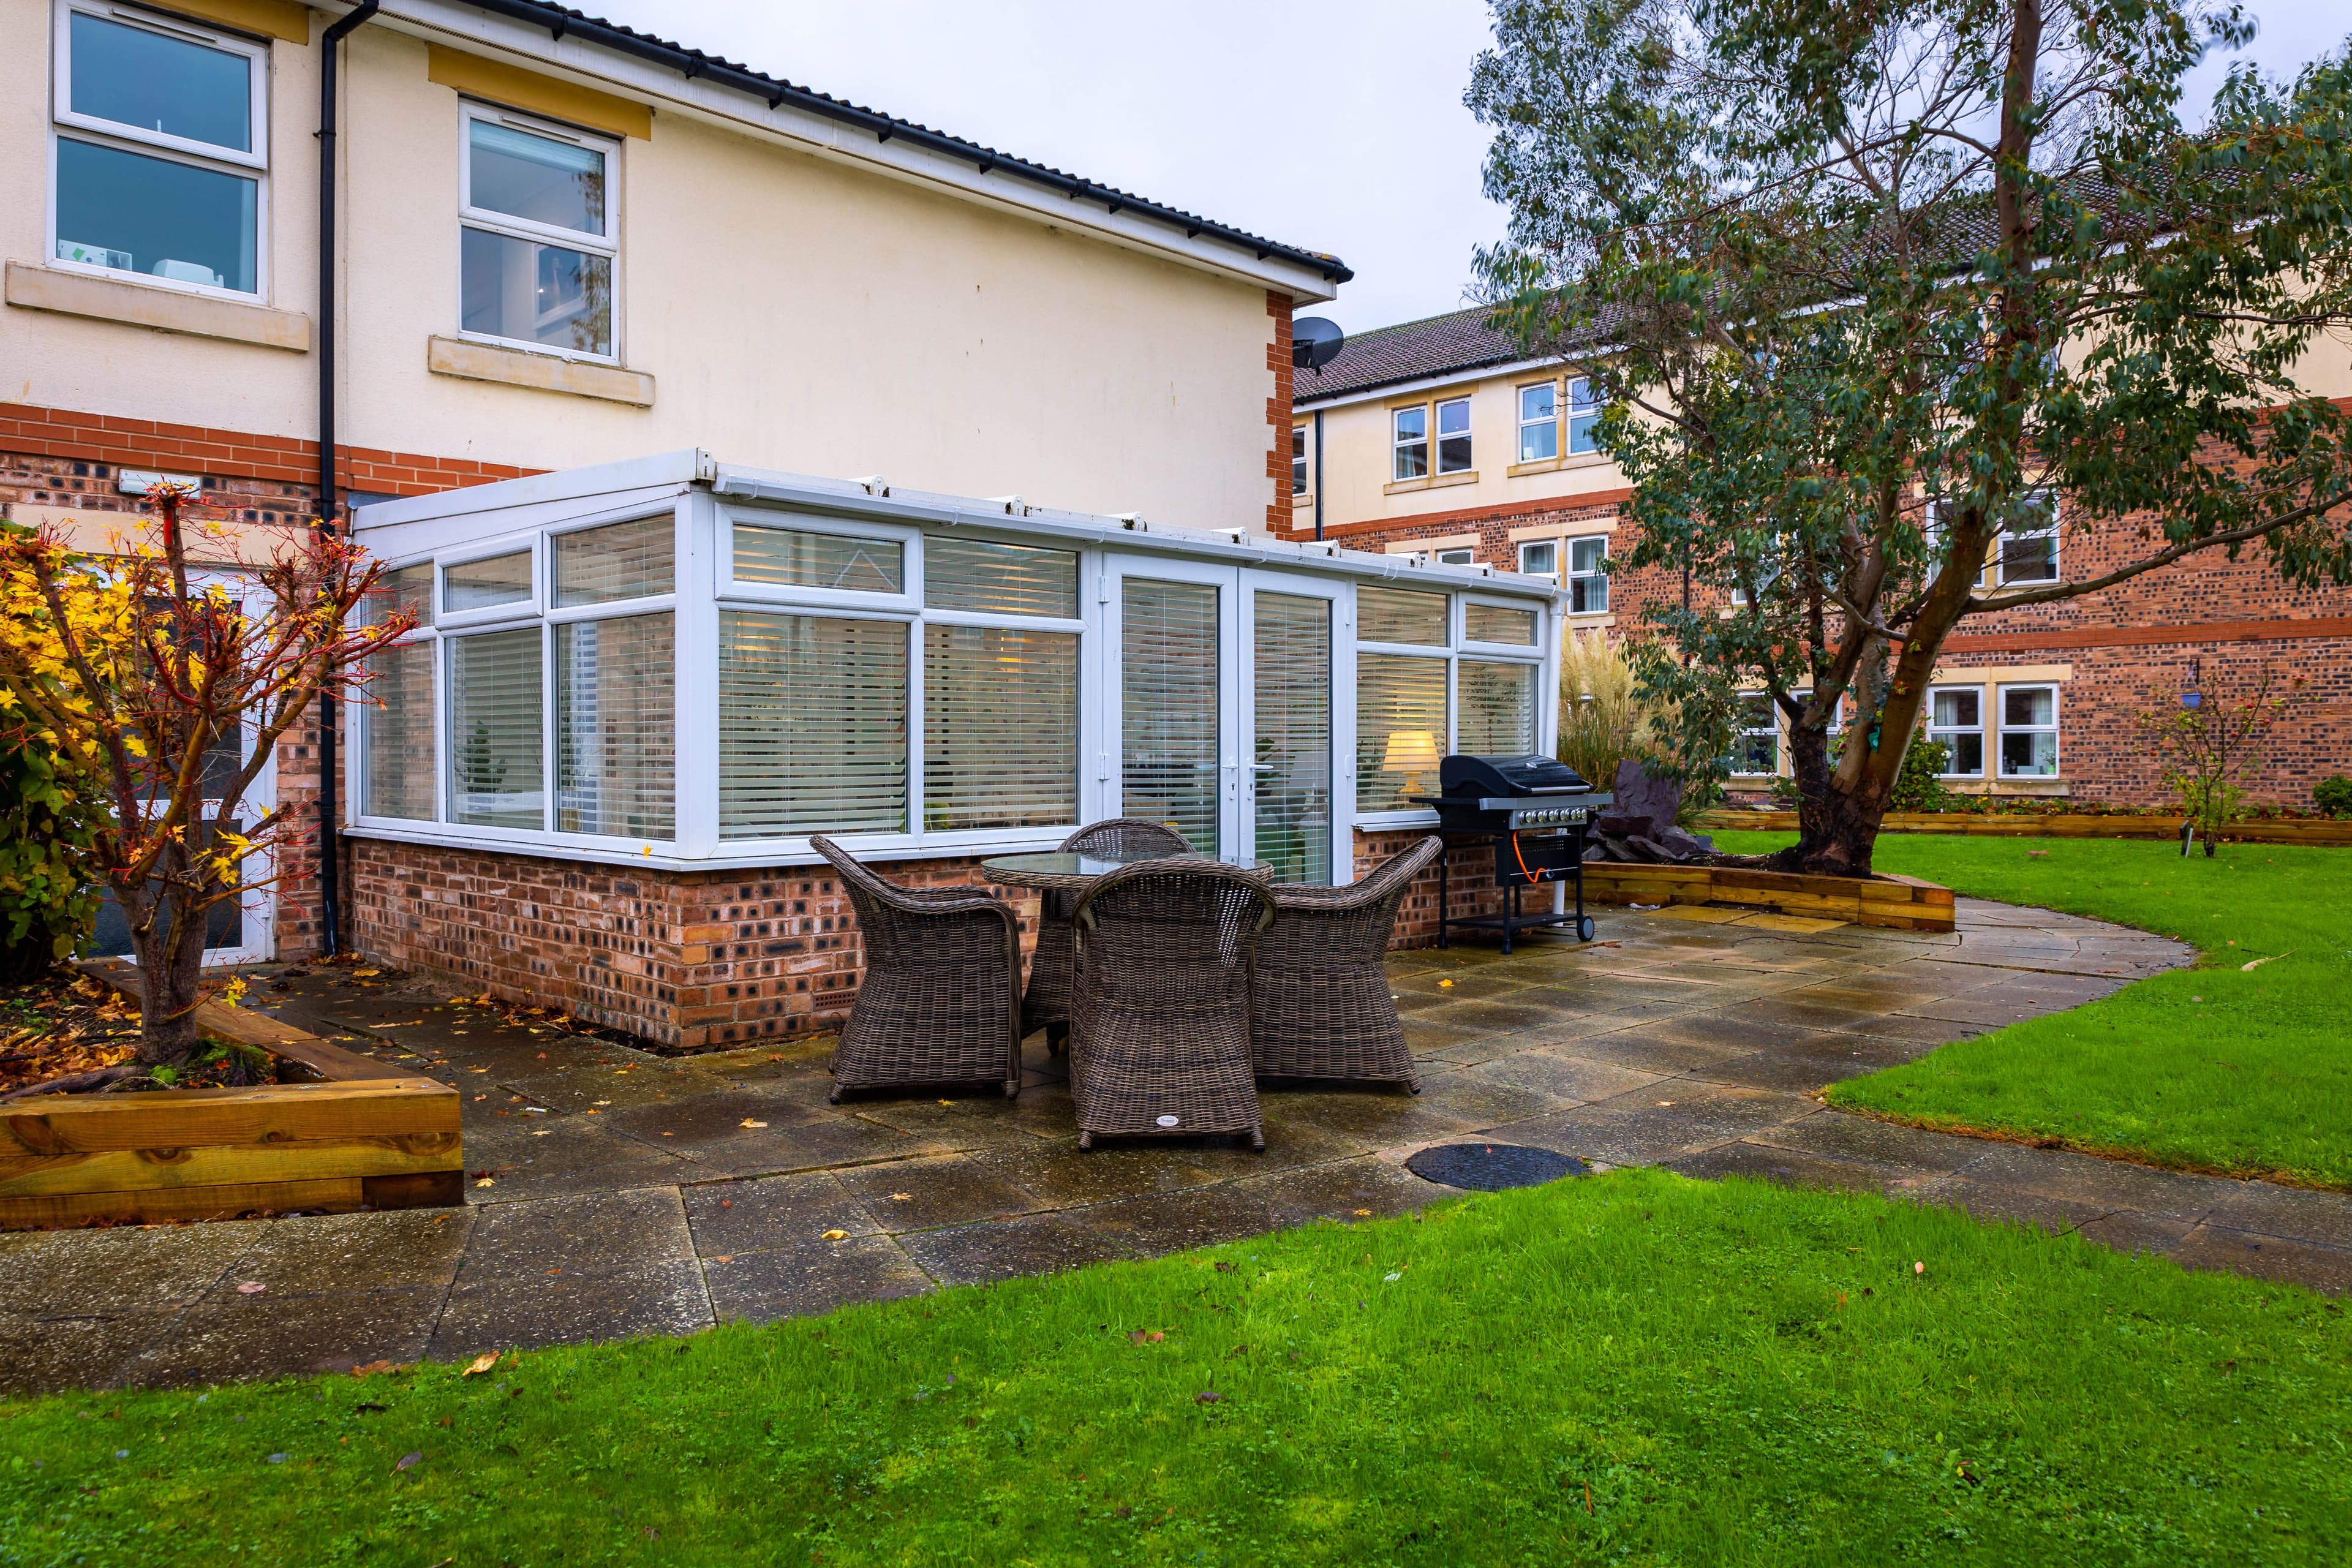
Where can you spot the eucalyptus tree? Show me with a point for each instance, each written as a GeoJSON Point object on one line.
{"type": "Point", "coordinates": [1887, 297]}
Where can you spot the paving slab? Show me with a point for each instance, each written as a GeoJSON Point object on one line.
{"type": "Point", "coordinates": [627, 1196]}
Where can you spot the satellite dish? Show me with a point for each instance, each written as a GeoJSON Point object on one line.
{"type": "Point", "coordinates": [1315, 342]}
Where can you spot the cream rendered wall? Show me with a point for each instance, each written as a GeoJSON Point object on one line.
{"type": "Point", "coordinates": [71, 361]}
{"type": "Point", "coordinates": [794, 313]}
{"type": "Point", "coordinates": [1357, 459]}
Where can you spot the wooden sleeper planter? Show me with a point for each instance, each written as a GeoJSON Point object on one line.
{"type": "Point", "coordinates": [2028, 825]}
{"type": "Point", "coordinates": [341, 1131]}
{"type": "Point", "coordinates": [1894, 903]}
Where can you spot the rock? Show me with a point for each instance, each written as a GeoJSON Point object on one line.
{"type": "Point", "coordinates": [1639, 793]}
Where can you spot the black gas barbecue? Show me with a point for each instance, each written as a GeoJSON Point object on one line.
{"type": "Point", "coordinates": [1537, 810]}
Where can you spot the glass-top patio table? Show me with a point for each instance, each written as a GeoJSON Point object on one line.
{"type": "Point", "coordinates": [1061, 871]}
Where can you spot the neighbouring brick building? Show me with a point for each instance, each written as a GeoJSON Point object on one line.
{"type": "Point", "coordinates": [1438, 439]}
{"type": "Point", "coordinates": [555, 243]}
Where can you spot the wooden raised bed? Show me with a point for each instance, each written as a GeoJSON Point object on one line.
{"type": "Point", "coordinates": [2022, 825]}
{"type": "Point", "coordinates": [1896, 903]}
{"type": "Point", "coordinates": [339, 1131]}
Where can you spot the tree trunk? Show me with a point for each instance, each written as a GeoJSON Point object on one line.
{"type": "Point", "coordinates": [1837, 825]}
{"type": "Point", "coordinates": [170, 948]}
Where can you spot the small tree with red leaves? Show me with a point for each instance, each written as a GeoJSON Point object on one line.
{"type": "Point", "coordinates": [168, 671]}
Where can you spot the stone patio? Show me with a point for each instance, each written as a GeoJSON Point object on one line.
{"type": "Point", "coordinates": [614, 1192]}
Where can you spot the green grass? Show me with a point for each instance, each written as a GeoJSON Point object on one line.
{"type": "Point", "coordinates": [2210, 1069]}
{"type": "Point", "coordinates": [1738, 1373]}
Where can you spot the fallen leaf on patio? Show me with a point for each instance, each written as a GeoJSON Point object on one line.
{"type": "Point", "coordinates": [724, 1258]}
{"type": "Point", "coordinates": [727, 1203]}
{"type": "Point", "coordinates": [541, 1132]}
{"type": "Point", "coordinates": [480, 1363]}
{"type": "Point", "coordinates": [604, 1102]}
{"type": "Point", "coordinates": [834, 1234]}
{"type": "Point", "coordinates": [409, 1460]}
{"type": "Point", "coordinates": [478, 1069]}
{"type": "Point", "coordinates": [748, 1121]}
{"type": "Point", "coordinates": [1665, 1102]}
{"type": "Point", "coordinates": [1447, 983]}
{"type": "Point", "coordinates": [902, 1198]}
{"type": "Point", "coordinates": [365, 974]}
{"type": "Point", "coordinates": [485, 1182]}
{"type": "Point", "coordinates": [1363, 1213]}
{"type": "Point", "coordinates": [947, 1102]}
{"type": "Point", "coordinates": [1210, 1398]}
{"type": "Point", "coordinates": [251, 1287]}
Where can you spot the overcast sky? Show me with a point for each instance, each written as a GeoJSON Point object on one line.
{"type": "Point", "coordinates": [1337, 126]}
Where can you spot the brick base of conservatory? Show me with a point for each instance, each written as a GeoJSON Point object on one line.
{"type": "Point", "coordinates": [693, 960]}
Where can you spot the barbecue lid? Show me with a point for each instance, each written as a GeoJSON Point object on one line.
{"type": "Point", "coordinates": [1535, 774]}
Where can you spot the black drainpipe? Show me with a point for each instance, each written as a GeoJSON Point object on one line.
{"type": "Point", "coordinates": [330, 857]}
{"type": "Point", "coordinates": [1318, 473]}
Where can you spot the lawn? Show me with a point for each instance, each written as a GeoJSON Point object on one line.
{"type": "Point", "coordinates": [2216, 1068]}
{"type": "Point", "coordinates": [1630, 1368]}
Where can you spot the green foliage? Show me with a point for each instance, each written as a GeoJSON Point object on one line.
{"type": "Point", "coordinates": [1920, 786]}
{"type": "Point", "coordinates": [1635, 1368]}
{"type": "Point", "coordinates": [48, 884]}
{"type": "Point", "coordinates": [2332, 796]}
{"type": "Point", "coordinates": [2058, 292]}
{"type": "Point", "coordinates": [2218, 1068]}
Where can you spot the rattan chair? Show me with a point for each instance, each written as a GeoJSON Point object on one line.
{"type": "Point", "coordinates": [1046, 1004]}
{"type": "Point", "coordinates": [1322, 1007]}
{"type": "Point", "coordinates": [941, 1000]}
{"type": "Point", "coordinates": [1160, 1001]}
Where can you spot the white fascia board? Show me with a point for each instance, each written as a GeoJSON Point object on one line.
{"type": "Point", "coordinates": [590, 65]}
{"type": "Point", "coordinates": [661, 470]}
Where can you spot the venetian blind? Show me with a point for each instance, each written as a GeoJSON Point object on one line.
{"type": "Point", "coordinates": [1498, 623]}
{"type": "Point", "coordinates": [801, 558]}
{"type": "Point", "coordinates": [1009, 579]}
{"type": "Point", "coordinates": [812, 725]}
{"type": "Point", "coordinates": [616, 727]}
{"type": "Point", "coordinates": [1399, 728]}
{"type": "Point", "coordinates": [1399, 615]}
{"type": "Point", "coordinates": [480, 585]}
{"type": "Point", "coordinates": [1000, 727]}
{"type": "Point", "coordinates": [1292, 710]}
{"type": "Point", "coordinates": [1168, 707]}
{"type": "Point", "coordinates": [496, 768]}
{"type": "Point", "coordinates": [407, 591]}
{"type": "Point", "coordinates": [1498, 709]}
{"type": "Point", "coordinates": [400, 732]}
{"type": "Point", "coordinates": [622, 560]}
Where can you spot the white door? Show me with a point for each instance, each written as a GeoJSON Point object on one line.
{"type": "Point", "coordinates": [1170, 724]}
{"type": "Point", "coordinates": [1295, 797]}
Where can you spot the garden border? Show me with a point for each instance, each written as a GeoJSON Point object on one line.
{"type": "Point", "coordinates": [2024, 825]}
{"type": "Point", "coordinates": [341, 1131]}
{"type": "Point", "coordinates": [1894, 903]}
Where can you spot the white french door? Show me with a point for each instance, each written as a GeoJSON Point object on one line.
{"type": "Point", "coordinates": [1222, 712]}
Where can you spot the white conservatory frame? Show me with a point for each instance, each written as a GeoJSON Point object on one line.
{"type": "Point", "coordinates": [458, 526]}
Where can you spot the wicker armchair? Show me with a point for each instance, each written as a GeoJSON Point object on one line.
{"type": "Point", "coordinates": [1322, 1007]}
{"type": "Point", "coordinates": [1046, 1004]}
{"type": "Point", "coordinates": [1160, 1001]}
{"type": "Point", "coordinates": [941, 1000]}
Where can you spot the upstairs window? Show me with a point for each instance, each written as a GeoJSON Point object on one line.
{"type": "Point", "coordinates": [1299, 460]}
{"type": "Point", "coordinates": [1538, 422]}
{"type": "Point", "coordinates": [161, 149]}
{"type": "Point", "coordinates": [1583, 416]}
{"type": "Point", "coordinates": [1453, 436]}
{"type": "Point", "coordinates": [1409, 440]}
{"type": "Point", "coordinates": [2029, 546]}
{"type": "Point", "coordinates": [536, 226]}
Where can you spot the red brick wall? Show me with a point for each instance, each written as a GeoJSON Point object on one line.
{"type": "Point", "coordinates": [1279, 416]}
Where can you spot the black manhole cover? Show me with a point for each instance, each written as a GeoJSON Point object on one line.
{"type": "Point", "coordinates": [1491, 1167]}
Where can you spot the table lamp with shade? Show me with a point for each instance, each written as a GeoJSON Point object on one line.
{"type": "Point", "coordinates": [1411, 753]}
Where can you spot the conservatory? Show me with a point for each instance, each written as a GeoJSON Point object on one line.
{"type": "Point", "coordinates": [633, 692]}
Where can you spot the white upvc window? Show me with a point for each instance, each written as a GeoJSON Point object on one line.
{"type": "Point", "coordinates": [1755, 750]}
{"type": "Point", "coordinates": [1540, 558]}
{"type": "Point", "coordinates": [1539, 422]}
{"type": "Point", "coordinates": [1955, 718]}
{"type": "Point", "coordinates": [1299, 480]}
{"type": "Point", "coordinates": [158, 149]}
{"type": "Point", "coordinates": [1409, 442]}
{"type": "Point", "coordinates": [1588, 576]}
{"type": "Point", "coordinates": [1438, 674]}
{"type": "Point", "coordinates": [2029, 732]}
{"type": "Point", "coordinates": [538, 220]}
{"type": "Point", "coordinates": [1453, 436]}
{"type": "Point", "coordinates": [1583, 416]}
{"type": "Point", "coordinates": [2029, 546]}
{"type": "Point", "coordinates": [1456, 555]}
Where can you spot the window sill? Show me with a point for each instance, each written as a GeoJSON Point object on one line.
{"type": "Point", "coordinates": [37, 288]}
{"type": "Point", "coordinates": [1435, 482]}
{"type": "Point", "coordinates": [2056, 787]}
{"type": "Point", "coordinates": [540, 373]}
{"type": "Point", "coordinates": [1553, 464]}
{"type": "Point", "coordinates": [1583, 620]}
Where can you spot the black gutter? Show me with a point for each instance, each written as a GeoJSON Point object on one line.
{"type": "Point", "coordinates": [331, 857]}
{"type": "Point", "coordinates": [693, 64]}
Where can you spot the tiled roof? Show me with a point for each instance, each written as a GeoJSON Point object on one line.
{"type": "Point", "coordinates": [1385, 356]}
{"type": "Point", "coordinates": [564, 22]}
